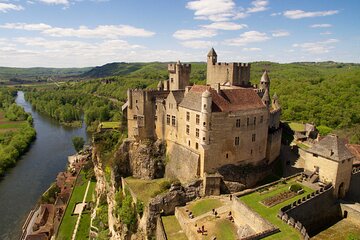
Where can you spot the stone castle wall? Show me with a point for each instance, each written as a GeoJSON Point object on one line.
{"type": "Point", "coordinates": [237, 74]}
{"type": "Point", "coordinates": [273, 145]}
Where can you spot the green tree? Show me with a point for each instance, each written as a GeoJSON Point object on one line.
{"type": "Point", "coordinates": [78, 143]}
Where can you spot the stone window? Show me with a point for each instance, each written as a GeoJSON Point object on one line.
{"type": "Point", "coordinates": [253, 139]}
{"type": "Point", "coordinates": [187, 116]}
{"type": "Point", "coordinates": [204, 124]}
{"type": "Point", "coordinates": [189, 143]}
{"type": "Point", "coordinates": [155, 118]}
{"type": "Point", "coordinates": [238, 122]}
{"type": "Point", "coordinates": [254, 120]}
{"type": "Point", "coordinates": [168, 119]}
{"type": "Point", "coordinates": [251, 152]}
{"type": "Point", "coordinates": [135, 117]}
{"type": "Point", "coordinates": [173, 120]}
{"type": "Point", "coordinates": [227, 155]}
{"type": "Point", "coordinates": [237, 141]}
{"type": "Point", "coordinates": [197, 146]}
{"type": "Point", "coordinates": [204, 106]}
{"type": "Point", "coordinates": [261, 119]}
{"type": "Point", "coordinates": [247, 121]}
{"type": "Point", "coordinates": [171, 79]}
{"type": "Point", "coordinates": [187, 129]}
{"type": "Point", "coordinates": [197, 134]}
{"type": "Point", "coordinates": [197, 119]}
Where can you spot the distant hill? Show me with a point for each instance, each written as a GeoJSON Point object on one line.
{"type": "Point", "coordinates": [9, 75]}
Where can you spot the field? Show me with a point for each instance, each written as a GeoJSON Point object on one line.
{"type": "Point", "coordinates": [270, 213]}
{"type": "Point", "coordinates": [205, 206]}
{"type": "Point", "coordinates": [146, 189]}
{"type": "Point", "coordinates": [6, 125]}
{"type": "Point", "coordinates": [68, 223]}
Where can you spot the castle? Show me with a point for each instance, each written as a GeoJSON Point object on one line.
{"type": "Point", "coordinates": [225, 122]}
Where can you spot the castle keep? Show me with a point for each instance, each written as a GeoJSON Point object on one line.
{"type": "Point", "coordinates": [206, 127]}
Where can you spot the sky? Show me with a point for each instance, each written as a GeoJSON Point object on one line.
{"type": "Point", "coordinates": [82, 33]}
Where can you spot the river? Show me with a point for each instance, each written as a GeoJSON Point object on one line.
{"type": "Point", "coordinates": [37, 169]}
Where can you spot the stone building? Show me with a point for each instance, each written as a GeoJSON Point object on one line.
{"type": "Point", "coordinates": [205, 127]}
{"type": "Point", "coordinates": [332, 162]}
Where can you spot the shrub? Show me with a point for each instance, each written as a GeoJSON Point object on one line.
{"type": "Point", "coordinates": [78, 143]}
{"type": "Point", "coordinates": [295, 188]}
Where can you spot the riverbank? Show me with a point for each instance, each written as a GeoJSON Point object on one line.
{"type": "Point", "coordinates": [60, 200]}
{"type": "Point", "coordinates": [22, 185]}
{"type": "Point", "coordinates": [16, 131]}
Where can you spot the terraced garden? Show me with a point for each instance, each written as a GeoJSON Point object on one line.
{"type": "Point", "coordinates": [253, 200]}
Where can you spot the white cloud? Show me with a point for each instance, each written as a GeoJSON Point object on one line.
{"type": "Point", "coordinates": [186, 34]}
{"type": "Point", "coordinates": [276, 14]}
{"type": "Point", "coordinates": [297, 14]}
{"type": "Point", "coordinates": [5, 7]}
{"type": "Point", "coordinates": [326, 33]}
{"type": "Point", "coordinates": [247, 37]}
{"type": "Point", "coordinates": [198, 44]}
{"type": "Point", "coordinates": [215, 10]}
{"type": "Point", "coordinates": [55, 2]}
{"type": "Point", "coordinates": [102, 31]}
{"type": "Point", "coordinates": [252, 49]}
{"type": "Point", "coordinates": [28, 27]}
{"type": "Point", "coordinates": [280, 33]}
{"type": "Point", "coordinates": [225, 26]}
{"type": "Point", "coordinates": [317, 47]}
{"type": "Point", "coordinates": [258, 6]}
{"type": "Point", "coordinates": [323, 25]}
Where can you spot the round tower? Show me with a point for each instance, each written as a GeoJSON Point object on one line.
{"type": "Point", "coordinates": [206, 101]}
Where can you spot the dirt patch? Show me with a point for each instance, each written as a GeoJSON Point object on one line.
{"type": "Point", "coordinates": [279, 198]}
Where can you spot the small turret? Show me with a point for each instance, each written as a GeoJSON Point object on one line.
{"type": "Point", "coordinates": [212, 56]}
{"type": "Point", "coordinates": [265, 81]}
{"type": "Point", "coordinates": [266, 98]}
{"type": "Point", "coordinates": [160, 86]}
{"type": "Point", "coordinates": [275, 101]}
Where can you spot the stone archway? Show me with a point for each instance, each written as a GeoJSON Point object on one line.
{"type": "Point", "coordinates": [341, 190]}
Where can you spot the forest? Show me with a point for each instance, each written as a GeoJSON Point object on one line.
{"type": "Point", "coordinates": [16, 131]}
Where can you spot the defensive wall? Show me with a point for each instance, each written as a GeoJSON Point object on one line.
{"type": "Point", "coordinates": [312, 213]}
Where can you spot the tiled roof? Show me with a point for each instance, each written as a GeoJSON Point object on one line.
{"type": "Point", "coordinates": [178, 95]}
{"type": "Point", "coordinates": [355, 150]}
{"type": "Point", "coordinates": [331, 147]}
{"type": "Point", "coordinates": [226, 100]}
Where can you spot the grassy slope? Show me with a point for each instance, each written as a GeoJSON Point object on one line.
{"type": "Point", "coordinates": [173, 229]}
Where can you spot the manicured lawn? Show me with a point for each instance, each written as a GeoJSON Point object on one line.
{"type": "Point", "coordinates": [173, 229]}
{"type": "Point", "coordinates": [225, 230]}
{"type": "Point", "coordinates": [68, 223]}
{"type": "Point", "coordinates": [296, 126]}
{"type": "Point", "coordinates": [269, 213]}
{"type": "Point", "coordinates": [203, 206]}
{"type": "Point", "coordinates": [145, 189]}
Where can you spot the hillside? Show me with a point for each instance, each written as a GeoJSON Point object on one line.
{"type": "Point", "coordinates": [9, 75]}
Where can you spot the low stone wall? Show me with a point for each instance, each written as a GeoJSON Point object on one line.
{"type": "Point", "coordinates": [160, 231]}
{"type": "Point", "coordinates": [248, 191]}
{"type": "Point", "coordinates": [313, 212]}
{"type": "Point", "coordinates": [183, 219]}
{"type": "Point", "coordinates": [260, 225]}
{"type": "Point", "coordinates": [350, 212]}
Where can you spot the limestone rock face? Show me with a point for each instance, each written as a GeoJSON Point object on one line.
{"type": "Point", "coordinates": [177, 196]}
{"type": "Point", "coordinates": [232, 187]}
{"type": "Point", "coordinates": [143, 160]}
{"type": "Point", "coordinates": [146, 159]}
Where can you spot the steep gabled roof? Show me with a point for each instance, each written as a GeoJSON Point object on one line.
{"type": "Point", "coordinates": [226, 100]}
{"type": "Point", "coordinates": [331, 147]}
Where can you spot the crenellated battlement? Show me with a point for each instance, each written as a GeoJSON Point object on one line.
{"type": "Point", "coordinates": [173, 67]}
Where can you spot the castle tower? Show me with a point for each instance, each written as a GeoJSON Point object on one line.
{"type": "Point", "coordinates": [265, 82]}
{"type": "Point", "coordinates": [179, 76]}
{"type": "Point", "coordinates": [275, 102]}
{"type": "Point", "coordinates": [206, 101]}
{"type": "Point", "coordinates": [212, 57]}
{"type": "Point", "coordinates": [266, 98]}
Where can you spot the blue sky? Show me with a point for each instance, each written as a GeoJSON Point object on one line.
{"type": "Point", "coordinates": [77, 33]}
